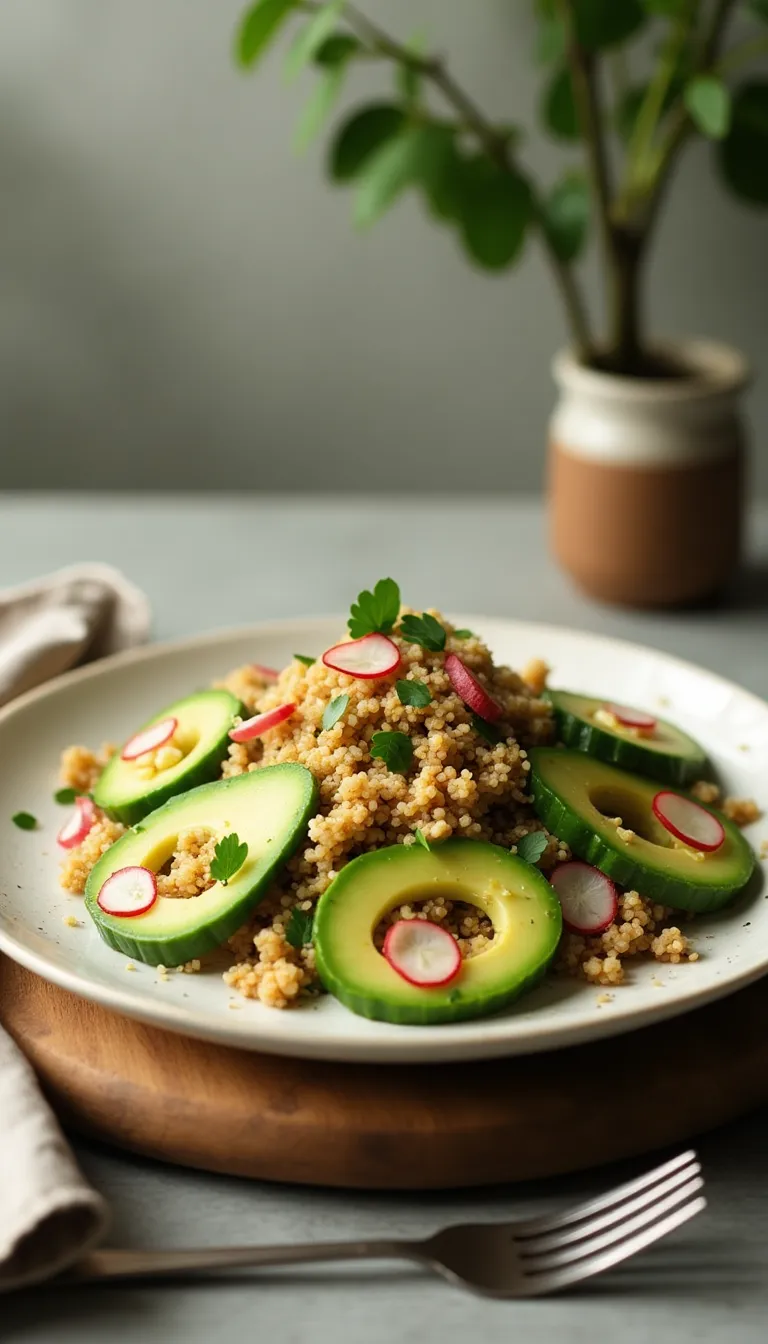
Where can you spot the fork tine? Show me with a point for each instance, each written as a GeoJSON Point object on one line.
{"type": "Point", "coordinates": [553, 1281]}
{"type": "Point", "coordinates": [551, 1222]}
{"type": "Point", "coordinates": [620, 1212]}
{"type": "Point", "coordinates": [590, 1246]}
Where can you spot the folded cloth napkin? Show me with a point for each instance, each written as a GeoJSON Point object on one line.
{"type": "Point", "coordinates": [49, 1215]}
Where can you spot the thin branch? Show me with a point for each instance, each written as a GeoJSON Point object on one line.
{"type": "Point", "coordinates": [590, 113]}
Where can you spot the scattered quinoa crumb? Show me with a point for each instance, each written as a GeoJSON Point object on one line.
{"type": "Point", "coordinates": [741, 811]}
{"type": "Point", "coordinates": [71, 922]}
{"type": "Point", "coordinates": [129, 966]}
{"type": "Point", "coordinates": [706, 792]}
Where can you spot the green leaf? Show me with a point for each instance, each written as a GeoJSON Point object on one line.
{"type": "Point", "coordinates": [398, 164]}
{"type": "Point", "coordinates": [744, 153]}
{"type": "Point", "coordinates": [311, 37]}
{"type": "Point", "coordinates": [407, 83]}
{"type": "Point", "coordinates": [532, 846]}
{"type": "Point", "coordinates": [376, 612]}
{"type": "Point", "coordinates": [442, 174]}
{"type": "Point", "coordinates": [361, 137]}
{"type": "Point", "coordinates": [566, 216]}
{"type": "Point", "coordinates": [25, 821]}
{"type": "Point", "coordinates": [423, 630]}
{"type": "Point", "coordinates": [394, 749]}
{"type": "Point", "coordinates": [464, 634]}
{"type": "Point", "coordinates": [334, 711]}
{"type": "Point", "coordinates": [486, 730]}
{"type": "Point", "coordinates": [759, 8]}
{"type": "Point", "coordinates": [606, 23]}
{"type": "Point", "coordinates": [422, 840]}
{"type": "Point", "coordinates": [228, 858]}
{"type": "Point", "coordinates": [413, 693]}
{"type": "Point", "coordinates": [305, 659]}
{"type": "Point", "coordinates": [337, 50]}
{"type": "Point", "coordinates": [495, 211]}
{"type": "Point", "coordinates": [709, 104]}
{"type": "Point", "coordinates": [258, 26]}
{"type": "Point", "coordinates": [666, 8]}
{"type": "Point", "coordinates": [558, 108]}
{"type": "Point", "coordinates": [298, 930]}
{"type": "Point", "coordinates": [65, 796]}
{"type": "Point", "coordinates": [551, 39]}
{"type": "Point", "coordinates": [319, 105]}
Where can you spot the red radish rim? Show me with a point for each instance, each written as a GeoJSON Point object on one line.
{"type": "Point", "coordinates": [268, 673]}
{"type": "Point", "coordinates": [118, 878]}
{"type": "Point", "coordinates": [261, 723]}
{"type": "Point", "coordinates": [707, 846]}
{"type": "Point", "coordinates": [342, 657]}
{"type": "Point", "coordinates": [472, 692]}
{"type": "Point", "coordinates": [149, 739]}
{"type": "Point", "coordinates": [74, 831]}
{"type": "Point", "coordinates": [609, 895]}
{"type": "Point", "coordinates": [435, 932]}
{"type": "Point", "coordinates": [631, 718]}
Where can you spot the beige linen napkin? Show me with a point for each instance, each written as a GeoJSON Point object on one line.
{"type": "Point", "coordinates": [49, 1215]}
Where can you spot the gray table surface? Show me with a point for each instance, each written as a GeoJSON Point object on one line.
{"type": "Point", "coordinates": [225, 561]}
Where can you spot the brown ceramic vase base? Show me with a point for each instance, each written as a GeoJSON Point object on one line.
{"type": "Point", "coordinates": [388, 1127]}
{"type": "Point", "coordinates": [646, 536]}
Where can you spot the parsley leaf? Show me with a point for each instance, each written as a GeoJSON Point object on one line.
{"type": "Point", "coordinates": [305, 659]}
{"type": "Point", "coordinates": [394, 749]}
{"type": "Point", "coordinates": [413, 693]}
{"type": "Point", "coordinates": [25, 821]}
{"type": "Point", "coordinates": [65, 796]}
{"type": "Point", "coordinates": [422, 840]}
{"type": "Point", "coordinates": [298, 930]}
{"type": "Point", "coordinates": [423, 630]}
{"type": "Point", "coordinates": [464, 634]}
{"type": "Point", "coordinates": [333, 712]}
{"type": "Point", "coordinates": [375, 612]}
{"type": "Point", "coordinates": [532, 846]}
{"type": "Point", "coordinates": [229, 857]}
{"type": "Point", "coordinates": [486, 730]}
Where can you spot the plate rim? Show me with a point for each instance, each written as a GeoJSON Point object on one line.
{"type": "Point", "coordinates": [415, 1047]}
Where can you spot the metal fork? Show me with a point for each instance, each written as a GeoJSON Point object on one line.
{"type": "Point", "coordinates": [520, 1259]}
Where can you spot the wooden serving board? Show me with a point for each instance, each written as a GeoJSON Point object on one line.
{"type": "Point", "coordinates": [362, 1126]}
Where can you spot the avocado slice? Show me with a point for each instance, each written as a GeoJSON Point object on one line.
{"type": "Point", "coordinates": [268, 809]}
{"type": "Point", "coordinates": [576, 797]}
{"type": "Point", "coordinates": [203, 733]}
{"type": "Point", "coordinates": [522, 906]}
{"type": "Point", "coordinates": [669, 754]}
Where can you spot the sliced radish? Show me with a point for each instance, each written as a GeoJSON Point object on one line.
{"type": "Point", "coordinates": [149, 739]}
{"type": "Point", "coordinates": [371, 656]}
{"type": "Point", "coordinates": [422, 953]}
{"type": "Point", "coordinates": [692, 824]}
{"type": "Point", "coordinates": [129, 892]}
{"type": "Point", "coordinates": [78, 825]}
{"type": "Point", "coordinates": [474, 695]}
{"type": "Point", "coordinates": [261, 723]}
{"type": "Point", "coordinates": [632, 718]}
{"type": "Point", "coordinates": [587, 896]}
{"type": "Point", "coordinates": [268, 673]}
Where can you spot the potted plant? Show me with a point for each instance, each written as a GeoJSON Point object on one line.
{"type": "Point", "coordinates": [646, 443]}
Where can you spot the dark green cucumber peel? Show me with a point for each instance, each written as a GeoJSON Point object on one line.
{"type": "Point", "coordinates": [653, 866]}
{"type": "Point", "coordinates": [635, 754]}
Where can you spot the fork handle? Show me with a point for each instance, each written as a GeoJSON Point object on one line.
{"type": "Point", "coordinates": [114, 1265]}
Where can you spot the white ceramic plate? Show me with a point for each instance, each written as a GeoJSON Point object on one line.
{"type": "Point", "coordinates": [107, 700]}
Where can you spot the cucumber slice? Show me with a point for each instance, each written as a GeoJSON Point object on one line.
{"type": "Point", "coordinates": [668, 754]}
{"type": "Point", "coordinates": [204, 721]}
{"type": "Point", "coordinates": [268, 809]}
{"type": "Point", "coordinates": [522, 906]}
{"type": "Point", "coordinates": [576, 797]}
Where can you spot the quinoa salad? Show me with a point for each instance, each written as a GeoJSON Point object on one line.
{"type": "Point", "coordinates": [403, 823]}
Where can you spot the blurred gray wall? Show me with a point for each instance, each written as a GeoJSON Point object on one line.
{"type": "Point", "coordinates": [183, 301]}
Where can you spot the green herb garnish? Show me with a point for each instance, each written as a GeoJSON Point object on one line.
{"type": "Point", "coordinates": [298, 930]}
{"type": "Point", "coordinates": [305, 659]}
{"type": "Point", "coordinates": [394, 749]}
{"type": "Point", "coordinates": [422, 840]}
{"type": "Point", "coordinates": [65, 796]}
{"type": "Point", "coordinates": [376, 612]}
{"type": "Point", "coordinates": [229, 857]}
{"type": "Point", "coordinates": [464, 634]}
{"type": "Point", "coordinates": [532, 846]}
{"type": "Point", "coordinates": [423, 630]}
{"type": "Point", "coordinates": [413, 693]}
{"type": "Point", "coordinates": [486, 730]}
{"type": "Point", "coordinates": [334, 711]}
{"type": "Point", "coordinates": [25, 821]}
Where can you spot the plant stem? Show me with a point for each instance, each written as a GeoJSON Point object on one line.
{"type": "Point", "coordinates": [587, 96]}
